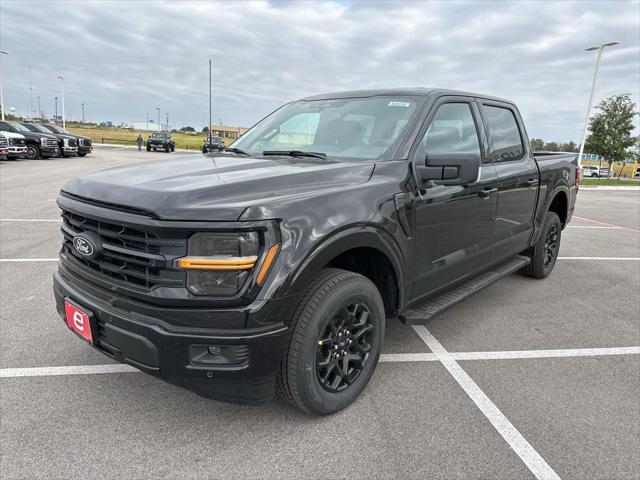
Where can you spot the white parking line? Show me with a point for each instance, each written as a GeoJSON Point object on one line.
{"type": "Point", "coordinates": [384, 358]}
{"type": "Point", "coordinates": [626, 259]}
{"type": "Point", "coordinates": [30, 220]}
{"type": "Point", "coordinates": [16, 260]}
{"type": "Point", "coordinates": [532, 459]}
{"type": "Point", "coordinates": [512, 354]}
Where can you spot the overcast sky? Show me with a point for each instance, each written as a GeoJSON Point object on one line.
{"type": "Point", "coordinates": [122, 59]}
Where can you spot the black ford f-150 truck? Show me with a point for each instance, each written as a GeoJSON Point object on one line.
{"type": "Point", "coordinates": [252, 270]}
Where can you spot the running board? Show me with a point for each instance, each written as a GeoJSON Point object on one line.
{"type": "Point", "coordinates": [420, 314]}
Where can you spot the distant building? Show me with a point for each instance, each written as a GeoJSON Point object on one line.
{"type": "Point", "coordinates": [149, 127]}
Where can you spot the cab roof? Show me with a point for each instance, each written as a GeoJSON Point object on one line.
{"type": "Point", "coordinates": [411, 91]}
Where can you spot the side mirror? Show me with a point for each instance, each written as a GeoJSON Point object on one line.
{"type": "Point", "coordinates": [450, 168]}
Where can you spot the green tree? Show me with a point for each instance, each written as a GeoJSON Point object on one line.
{"type": "Point", "coordinates": [187, 129]}
{"type": "Point", "coordinates": [569, 147]}
{"type": "Point", "coordinates": [205, 130]}
{"type": "Point", "coordinates": [552, 147]}
{"type": "Point", "coordinates": [610, 129]}
{"type": "Point", "coordinates": [537, 144]}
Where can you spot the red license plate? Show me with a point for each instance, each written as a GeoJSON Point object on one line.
{"type": "Point", "coordinates": [78, 320]}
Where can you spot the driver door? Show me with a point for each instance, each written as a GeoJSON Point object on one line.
{"type": "Point", "coordinates": [454, 223]}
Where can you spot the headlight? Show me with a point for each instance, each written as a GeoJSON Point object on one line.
{"type": "Point", "coordinates": [43, 141]}
{"type": "Point", "coordinates": [13, 141]}
{"type": "Point", "coordinates": [219, 263]}
{"type": "Point", "coordinates": [65, 142]}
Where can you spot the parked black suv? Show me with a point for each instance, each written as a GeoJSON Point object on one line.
{"type": "Point", "coordinates": [250, 270]}
{"type": "Point", "coordinates": [39, 145]}
{"type": "Point", "coordinates": [161, 140]}
{"type": "Point", "coordinates": [85, 145]}
{"type": "Point", "coordinates": [67, 144]}
{"type": "Point", "coordinates": [212, 144]}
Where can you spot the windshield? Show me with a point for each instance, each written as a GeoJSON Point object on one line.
{"type": "Point", "coordinates": [159, 135]}
{"type": "Point", "coordinates": [18, 127]}
{"type": "Point", "coordinates": [350, 128]}
{"type": "Point", "coordinates": [57, 129]}
{"type": "Point", "coordinates": [38, 128]}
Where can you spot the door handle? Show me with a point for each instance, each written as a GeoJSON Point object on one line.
{"type": "Point", "coordinates": [486, 193]}
{"type": "Point", "coordinates": [531, 182]}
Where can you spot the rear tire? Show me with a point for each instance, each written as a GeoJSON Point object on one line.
{"type": "Point", "coordinates": [338, 326]}
{"type": "Point", "coordinates": [545, 251]}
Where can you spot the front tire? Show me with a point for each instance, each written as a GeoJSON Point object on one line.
{"type": "Point", "coordinates": [33, 152]}
{"type": "Point", "coordinates": [545, 251]}
{"type": "Point", "coordinates": [335, 339]}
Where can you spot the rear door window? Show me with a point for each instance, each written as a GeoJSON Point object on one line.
{"type": "Point", "coordinates": [504, 134]}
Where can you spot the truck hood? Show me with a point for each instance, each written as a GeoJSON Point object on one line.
{"type": "Point", "coordinates": [213, 188]}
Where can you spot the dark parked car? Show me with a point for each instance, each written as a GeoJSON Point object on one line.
{"type": "Point", "coordinates": [276, 269]}
{"type": "Point", "coordinates": [67, 144]}
{"type": "Point", "coordinates": [212, 144]}
{"type": "Point", "coordinates": [161, 140]}
{"type": "Point", "coordinates": [39, 145]}
{"type": "Point", "coordinates": [85, 145]}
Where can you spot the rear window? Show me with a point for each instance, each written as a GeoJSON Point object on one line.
{"type": "Point", "coordinates": [506, 141]}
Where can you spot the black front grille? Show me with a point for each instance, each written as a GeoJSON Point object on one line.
{"type": "Point", "coordinates": [132, 256]}
{"type": "Point", "coordinates": [3, 142]}
{"type": "Point", "coordinates": [85, 142]}
{"type": "Point", "coordinates": [73, 142]}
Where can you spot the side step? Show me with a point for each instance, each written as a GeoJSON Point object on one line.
{"type": "Point", "coordinates": [421, 313]}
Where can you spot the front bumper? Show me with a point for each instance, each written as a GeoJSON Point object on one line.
{"type": "Point", "coordinates": [47, 151]}
{"type": "Point", "coordinates": [175, 353]}
{"type": "Point", "coordinates": [84, 149]}
{"type": "Point", "coordinates": [69, 151]}
{"type": "Point", "coordinates": [17, 152]}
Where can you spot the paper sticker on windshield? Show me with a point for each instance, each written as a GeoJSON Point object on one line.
{"type": "Point", "coordinates": [399, 104]}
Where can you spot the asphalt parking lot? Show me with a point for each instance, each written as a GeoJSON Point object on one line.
{"type": "Point", "coordinates": [529, 379]}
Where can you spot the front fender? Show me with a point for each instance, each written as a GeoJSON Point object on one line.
{"type": "Point", "coordinates": [338, 242]}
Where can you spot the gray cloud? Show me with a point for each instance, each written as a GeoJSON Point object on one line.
{"type": "Point", "coordinates": [122, 59]}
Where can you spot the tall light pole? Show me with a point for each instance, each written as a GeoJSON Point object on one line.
{"type": "Point", "coordinates": [62, 99]}
{"type": "Point", "coordinates": [82, 112]}
{"type": "Point", "coordinates": [593, 88]}
{"type": "Point", "coordinates": [167, 114]}
{"type": "Point", "coordinates": [158, 109]}
{"type": "Point", "coordinates": [55, 115]}
{"type": "Point", "coordinates": [147, 121]}
{"type": "Point", "coordinates": [39, 111]}
{"type": "Point", "coordinates": [31, 111]}
{"type": "Point", "coordinates": [209, 103]}
{"type": "Point", "coordinates": [2, 52]}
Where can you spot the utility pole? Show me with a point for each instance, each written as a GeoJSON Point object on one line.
{"type": "Point", "coordinates": [31, 111]}
{"type": "Point", "coordinates": [83, 112]}
{"type": "Point", "coordinates": [2, 52]}
{"type": "Point", "coordinates": [210, 103]}
{"type": "Point", "coordinates": [55, 115]}
{"type": "Point", "coordinates": [62, 88]}
{"type": "Point", "coordinates": [167, 114]}
{"type": "Point", "coordinates": [158, 128]}
{"type": "Point", "coordinates": [593, 89]}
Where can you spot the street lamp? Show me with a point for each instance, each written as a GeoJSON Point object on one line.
{"type": "Point", "coordinates": [158, 109]}
{"type": "Point", "coordinates": [167, 114]}
{"type": "Point", "coordinates": [55, 115]}
{"type": "Point", "coordinates": [62, 99]}
{"type": "Point", "coordinates": [2, 52]}
{"type": "Point", "coordinates": [599, 48]}
{"type": "Point", "coordinates": [82, 112]}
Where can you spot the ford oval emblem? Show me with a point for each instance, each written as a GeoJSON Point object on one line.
{"type": "Point", "coordinates": [83, 246]}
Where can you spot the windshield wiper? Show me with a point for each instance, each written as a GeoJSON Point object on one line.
{"type": "Point", "coordinates": [235, 150]}
{"type": "Point", "coordinates": [294, 153]}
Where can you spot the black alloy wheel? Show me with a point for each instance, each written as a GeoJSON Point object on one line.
{"type": "Point", "coordinates": [344, 348]}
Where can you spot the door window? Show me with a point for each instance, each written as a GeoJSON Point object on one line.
{"type": "Point", "coordinates": [452, 130]}
{"type": "Point", "coordinates": [506, 141]}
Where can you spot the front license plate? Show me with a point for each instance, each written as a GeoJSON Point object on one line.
{"type": "Point", "coordinates": [78, 320]}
